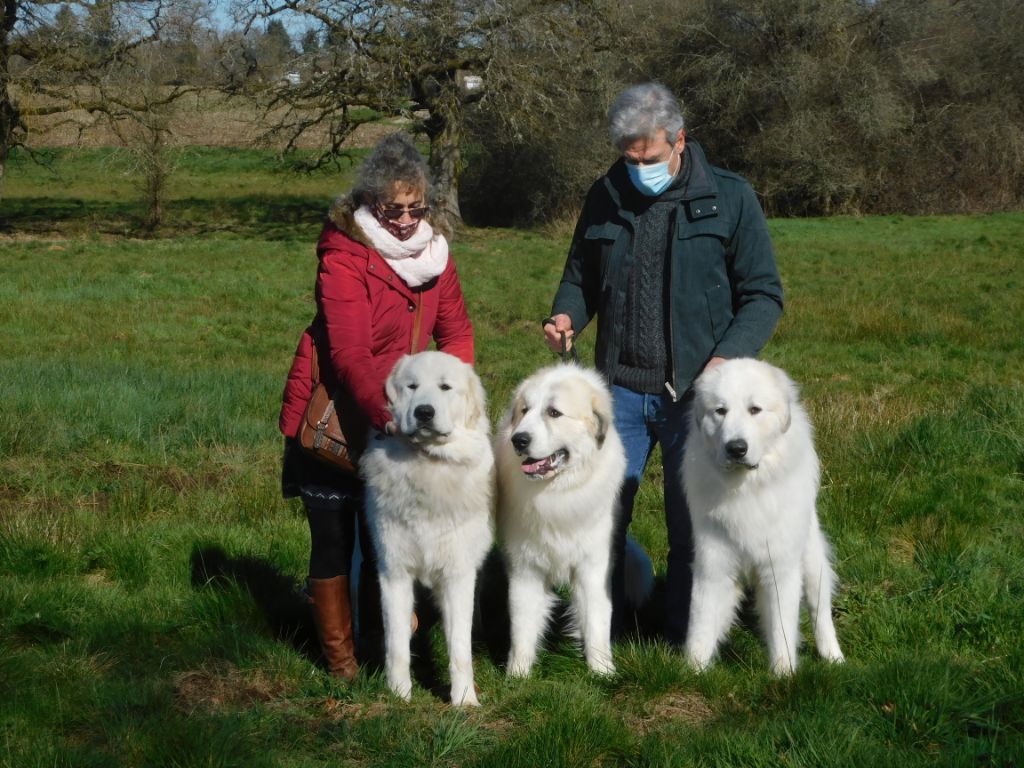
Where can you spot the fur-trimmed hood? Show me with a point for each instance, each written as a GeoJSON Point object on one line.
{"type": "Point", "coordinates": [342, 215]}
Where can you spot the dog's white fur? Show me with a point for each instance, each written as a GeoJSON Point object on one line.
{"type": "Point", "coordinates": [556, 510]}
{"type": "Point", "coordinates": [751, 477]}
{"type": "Point", "coordinates": [429, 496]}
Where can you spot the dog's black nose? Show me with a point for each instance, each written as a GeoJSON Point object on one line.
{"type": "Point", "coordinates": [521, 441]}
{"type": "Point", "coordinates": [736, 449]}
{"type": "Point", "coordinates": [423, 413]}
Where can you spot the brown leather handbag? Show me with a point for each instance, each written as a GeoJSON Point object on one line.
{"type": "Point", "coordinates": [321, 434]}
{"type": "Point", "coordinates": [327, 435]}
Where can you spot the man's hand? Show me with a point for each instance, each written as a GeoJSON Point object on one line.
{"type": "Point", "coordinates": [553, 331]}
{"type": "Point", "coordinates": [714, 362]}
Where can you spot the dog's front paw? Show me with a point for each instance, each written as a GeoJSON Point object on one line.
{"type": "Point", "coordinates": [465, 696]}
{"type": "Point", "coordinates": [699, 661]}
{"type": "Point", "coordinates": [518, 667]}
{"type": "Point", "coordinates": [601, 663]}
{"type": "Point", "coordinates": [783, 666]}
{"type": "Point", "coordinates": [401, 687]}
{"type": "Point", "coordinates": [833, 655]}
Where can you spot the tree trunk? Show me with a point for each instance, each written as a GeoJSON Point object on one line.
{"type": "Point", "coordinates": [444, 128]}
{"type": "Point", "coordinates": [8, 124]}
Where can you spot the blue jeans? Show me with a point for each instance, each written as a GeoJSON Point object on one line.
{"type": "Point", "coordinates": [643, 420]}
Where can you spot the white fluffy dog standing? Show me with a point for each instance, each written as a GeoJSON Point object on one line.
{"type": "Point", "coordinates": [429, 495]}
{"type": "Point", "coordinates": [751, 478]}
{"type": "Point", "coordinates": [560, 466]}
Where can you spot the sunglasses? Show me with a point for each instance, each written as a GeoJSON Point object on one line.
{"type": "Point", "coordinates": [395, 212]}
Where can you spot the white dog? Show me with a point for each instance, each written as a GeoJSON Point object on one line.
{"type": "Point", "coordinates": [560, 465]}
{"type": "Point", "coordinates": [429, 495]}
{"type": "Point", "coordinates": [751, 478]}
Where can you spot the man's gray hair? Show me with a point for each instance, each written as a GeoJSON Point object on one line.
{"type": "Point", "coordinates": [640, 111]}
{"type": "Point", "coordinates": [395, 161]}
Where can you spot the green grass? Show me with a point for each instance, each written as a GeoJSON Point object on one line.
{"type": "Point", "coordinates": [147, 562]}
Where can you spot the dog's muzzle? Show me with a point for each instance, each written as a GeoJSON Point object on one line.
{"type": "Point", "coordinates": [736, 455]}
{"type": "Point", "coordinates": [423, 427]}
{"type": "Point", "coordinates": [534, 468]}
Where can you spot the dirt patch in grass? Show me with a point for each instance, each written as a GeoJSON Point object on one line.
{"type": "Point", "coordinates": [340, 709]}
{"type": "Point", "coordinates": [222, 685]}
{"type": "Point", "coordinates": [691, 709]}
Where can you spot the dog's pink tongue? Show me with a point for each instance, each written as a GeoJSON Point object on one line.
{"type": "Point", "coordinates": [533, 468]}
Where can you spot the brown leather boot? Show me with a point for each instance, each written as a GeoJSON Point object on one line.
{"type": "Point", "coordinates": [333, 615]}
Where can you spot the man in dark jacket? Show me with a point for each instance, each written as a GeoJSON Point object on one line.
{"type": "Point", "coordinates": [674, 258]}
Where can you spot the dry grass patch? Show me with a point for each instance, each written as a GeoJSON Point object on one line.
{"type": "Point", "coordinates": [690, 709]}
{"type": "Point", "coordinates": [220, 685]}
{"type": "Point", "coordinates": [346, 709]}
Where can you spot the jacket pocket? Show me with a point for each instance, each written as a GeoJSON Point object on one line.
{"type": "Point", "coordinates": [604, 231]}
{"type": "Point", "coordinates": [601, 239]}
{"type": "Point", "coordinates": [714, 226]}
{"type": "Point", "coordinates": [719, 301]}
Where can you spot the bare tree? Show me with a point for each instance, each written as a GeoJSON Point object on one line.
{"type": "Point", "coordinates": [57, 58]}
{"type": "Point", "coordinates": [425, 60]}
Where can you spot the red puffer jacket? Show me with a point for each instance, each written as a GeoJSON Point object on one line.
{"type": "Point", "coordinates": [367, 313]}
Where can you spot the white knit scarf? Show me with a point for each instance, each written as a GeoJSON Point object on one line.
{"type": "Point", "coordinates": [417, 260]}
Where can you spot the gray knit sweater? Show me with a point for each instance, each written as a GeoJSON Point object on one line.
{"type": "Point", "coordinates": [644, 362]}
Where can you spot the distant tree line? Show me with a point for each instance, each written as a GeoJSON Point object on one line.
{"type": "Point", "coordinates": [827, 106]}
{"type": "Point", "coordinates": [837, 106]}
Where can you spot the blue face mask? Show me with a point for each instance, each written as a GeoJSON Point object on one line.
{"type": "Point", "coordinates": [652, 179]}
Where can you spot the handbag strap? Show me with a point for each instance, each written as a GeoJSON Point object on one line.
{"type": "Point", "coordinates": [314, 355]}
{"type": "Point", "coordinates": [314, 359]}
{"type": "Point", "coordinates": [417, 319]}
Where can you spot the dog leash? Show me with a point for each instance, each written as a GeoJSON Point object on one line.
{"type": "Point", "coordinates": [568, 354]}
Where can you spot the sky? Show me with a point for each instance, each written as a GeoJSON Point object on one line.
{"type": "Point", "coordinates": [222, 20]}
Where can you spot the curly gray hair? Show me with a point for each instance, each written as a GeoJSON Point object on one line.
{"type": "Point", "coordinates": [395, 161]}
{"type": "Point", "coordinates": [640, 111]}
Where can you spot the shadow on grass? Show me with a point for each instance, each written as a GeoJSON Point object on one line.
{"type": "Point", "coordinates": [288, 612]}
{"type": "Point", "coordinates": [271, 217]}
{"type": "Point", "coordinates": [279, 596]}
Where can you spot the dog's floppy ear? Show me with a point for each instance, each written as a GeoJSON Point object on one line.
{"type": "Point", "coordinates": [790, 393]}
{"type": "Point", "coordinates": [391, 384]}
{"type": "Point", "coordinates": [601, 405]}
{"type": "Point", "coordinates": [476, 399]}
{"type": "Point", "coordinates": [515, 409]}
{"type": "Point", "coordinates": [699, 407]}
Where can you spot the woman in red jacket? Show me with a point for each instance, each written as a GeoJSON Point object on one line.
{"type": "Point", "coordinates": [384, 274]}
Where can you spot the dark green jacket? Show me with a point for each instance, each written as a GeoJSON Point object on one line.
{"type": "Point", "coordinates": [724, 294]}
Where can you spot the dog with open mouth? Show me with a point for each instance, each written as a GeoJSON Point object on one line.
{"type": "Point", "coordinates": [560, 465]}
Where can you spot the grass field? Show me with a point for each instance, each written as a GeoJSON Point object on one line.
{"type": "Point", "coordinates": [148, 565]}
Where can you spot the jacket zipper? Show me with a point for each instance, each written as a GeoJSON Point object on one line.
{"type": "Point", "coordinates": [670, 385]}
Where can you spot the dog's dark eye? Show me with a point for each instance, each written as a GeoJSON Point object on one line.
{"type": "Point", "coordinates": [554, 413]}
{"type": "Point", "coordinates": [445, 387]}
{"type": "Point", "coordinates": [721, 411]}
{"type": "Point", "coordinates": [754, 410]}
{"type": "Point", "coordinates": [413, 386]}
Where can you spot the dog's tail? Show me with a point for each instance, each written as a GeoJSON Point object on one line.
{"type": "Point", "coordinates": [639, 573]}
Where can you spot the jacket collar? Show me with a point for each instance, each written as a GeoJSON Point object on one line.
{"type": "Point", "coordinates": [628, 199]}
{"type": "Point", "coordinates": [342, 216]}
